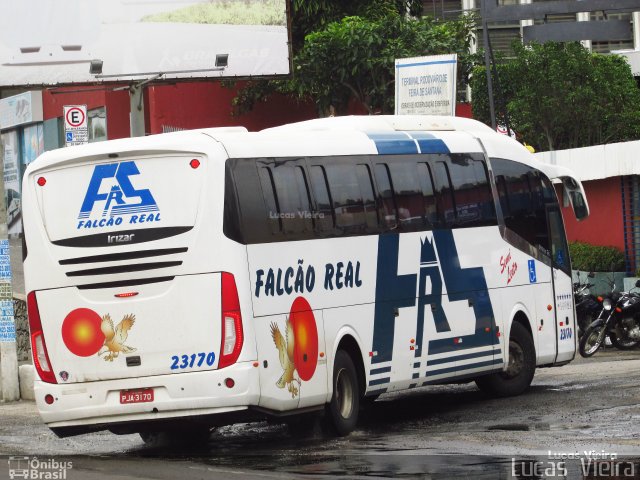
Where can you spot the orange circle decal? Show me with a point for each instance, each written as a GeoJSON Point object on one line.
{"type": "Point", "coordinates": [81, 332]}
{"type": "Point", "coordinates": [305, 333]}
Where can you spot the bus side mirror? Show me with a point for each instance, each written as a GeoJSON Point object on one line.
{"type": "Point", "coordinates": [637, 283]}
{"type": "Point", "coordinates": [573, 189]}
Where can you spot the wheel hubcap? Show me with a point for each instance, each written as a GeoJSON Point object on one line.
{"type": "Point", "coordinates": [344, 394]}
{"type": "Point", "coordinates": [593, 341]}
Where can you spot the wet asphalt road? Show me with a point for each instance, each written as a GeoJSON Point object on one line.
{"type": "Point", "coordinates": [452, 431]}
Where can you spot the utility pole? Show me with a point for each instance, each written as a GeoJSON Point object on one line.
{"type": "Point", "coordinates": [9, 384]}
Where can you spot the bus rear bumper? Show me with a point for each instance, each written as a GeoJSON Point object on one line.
{"type": "Point", "coordinates": [97, 406]}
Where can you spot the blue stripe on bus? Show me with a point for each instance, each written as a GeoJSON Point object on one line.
{"type": "Point", "coordinates": [469, 366]}
{"type": "Point", "coordinates": [439, 361]}
{"type": "Point", "coordinates": [393, 143]}
{"type": "Point", "coordinates": [433, 145]}
{"type": "Point", "coordinates": [390, 143]}
{"type": "Point", "coordinates": [376, 371]}
{"type": "Point", "coordinates": [379, 381]}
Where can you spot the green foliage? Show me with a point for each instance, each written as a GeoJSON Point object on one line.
{"type": "Point", "coordinates": [315, 15]}
{"type": "Point", "coordinates": [354, 58]}
{"type": "Point", "coordinates": [351, 58]}
{"type": "Point", "coordinates": [559, 95]}
{"type": "Point", "coordinates": [234, 12]}
{"type": "Point", "coordinates": [592, 258]}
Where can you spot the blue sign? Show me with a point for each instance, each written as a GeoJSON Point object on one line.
{"type": "Point", "coordinates": [532, 271]}
{"type": "Point", "coordinates": [69, 136]}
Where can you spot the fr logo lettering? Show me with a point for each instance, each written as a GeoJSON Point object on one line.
{"type": "Point", "coordinates": [111, 188]}
{"type": "Point", "coordinates": [395, 291]}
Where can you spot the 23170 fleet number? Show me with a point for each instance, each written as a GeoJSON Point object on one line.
{"type": "Point", "coordinates": [194, 360]}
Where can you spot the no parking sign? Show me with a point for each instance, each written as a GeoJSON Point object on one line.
{"type": "Point", "coordinates": [76, 131]}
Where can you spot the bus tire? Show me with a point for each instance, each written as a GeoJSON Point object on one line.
{"type": "Point", "coordinates": [342, 410]}
{"type": "Point", "coordinates": [520, 370]}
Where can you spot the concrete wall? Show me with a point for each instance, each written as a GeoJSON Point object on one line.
{"type": "Point", "coordinates": [23, 342]}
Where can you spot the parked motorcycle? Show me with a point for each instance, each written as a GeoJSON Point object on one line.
{"type": "Point", "coordinates": [619, 320]}
{"type": "Point", "coordinates": [587, 305]}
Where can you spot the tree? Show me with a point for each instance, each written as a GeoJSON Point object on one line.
{"type": "Point", "coordinates": [559, 95]}
{"type": "Point", "coordinates": [352, 58]}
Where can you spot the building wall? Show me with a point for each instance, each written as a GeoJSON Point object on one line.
{"type": "Point", "coordinates": [208, 104]}
{"type": "Point", "coordinates": [115, 102]}
{"type": "Point", "coordinates": [604, 226]}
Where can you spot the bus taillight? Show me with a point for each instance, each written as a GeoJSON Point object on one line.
{"type": "Point", "coordinates": [232, 335]}
{"type": "Point", "coordinates": [38, 346]}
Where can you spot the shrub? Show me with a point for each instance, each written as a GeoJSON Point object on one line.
{"type": "Point", "coordinates": [593, 258]}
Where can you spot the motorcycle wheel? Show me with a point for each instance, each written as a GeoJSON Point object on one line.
{"type": "Point", "coordinates": [623, 343]}
{"type": "Point", "coordinates": [591, 340]}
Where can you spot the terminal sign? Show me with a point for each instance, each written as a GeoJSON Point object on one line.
{"type": "Point", "coordinates": [76, 130]}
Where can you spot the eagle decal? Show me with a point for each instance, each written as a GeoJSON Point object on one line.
{"type": "Point", "coordinates": [114, 338]}
{"type": "Point", "coordinates": [285, 348]}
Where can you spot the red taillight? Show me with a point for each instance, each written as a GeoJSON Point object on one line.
{"type": "Point", "coordinates": [38, 345]}
{"type": "Point", "coordinates": [600, 299]}
{"type": "Point", "coordinates": [618, 309]}
{"type": "Point", "coordinates": [126, 295]}
{"type": "Point", "coordinates": [232, 335]}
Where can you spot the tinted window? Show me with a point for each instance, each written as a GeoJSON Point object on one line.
{"type": "Point", "coordinates": [368, 195]}
{"type": "Point", "coordinates": [346, 197]}
{"type": "Point", "coordinates": [389, 216]}
{"type": "Point", "coordinates": [473, 198]}
{"type": "Point", "coordinates": [444, 195]}
{"type": "Point", "coordinates": [524, 194]}
{"type": "Point", "coordinates": [269, 193]}
{"type": "Point", "coordinates": [323, 212]}
{"type": "Point", "coordinates": [425, 178]}
{"type": "Point", "coordinates": [408, 196]}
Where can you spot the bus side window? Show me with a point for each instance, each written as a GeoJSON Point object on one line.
{"type": "Point", "coordinates": [484, 196]}
{"type": "Point", "coordinates": [274, 219]}
{"type": "Point", "coordinates": [501, 186]}
{"type": "Point", "coordinates": [524, 205]}
{"type": "Point", "coordinates": [387, 202]}
{"type": "Point", "coordinates": [325, 218]}
{"type": "Point", "coordinates": [368, 196]}
{"type": "Point", "coordinates": [445, 202]}
{"type": "Point", "coordinates": [346, 197]}
{"type": "Point", "coordinates": [292, 198]}
{"type": "Point", "coordinates": [428, 197]}
{"type": "Point", "coordinates": [408, 195]}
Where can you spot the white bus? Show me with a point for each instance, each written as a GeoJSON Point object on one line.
{"type": "Point", "coordinates": [193, 279]}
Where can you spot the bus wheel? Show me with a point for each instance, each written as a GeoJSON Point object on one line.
{"type": "Point", "coordinates": [342, 411]}
{"type": "Point", "coordinates": [520, 370]}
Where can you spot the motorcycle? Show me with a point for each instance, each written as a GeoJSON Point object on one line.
{"type": "Point", "coordinates": [587, 305]}
{"type": "Point", "coordinates": [619, 320]}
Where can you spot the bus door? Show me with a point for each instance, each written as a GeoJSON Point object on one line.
{"type": "Point", "coordinates": [562, 286]}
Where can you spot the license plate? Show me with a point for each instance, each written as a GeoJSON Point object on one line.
{"type": "Point", "coordinates": [141, 395]}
